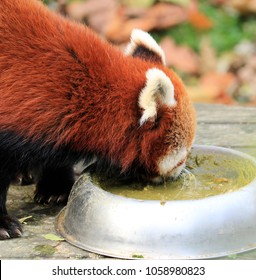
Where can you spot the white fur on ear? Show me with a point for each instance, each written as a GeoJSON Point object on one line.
{"type": "Point", "coordinates": [142, 38]}
{"type": "Point", "coordinates": [158, 86]}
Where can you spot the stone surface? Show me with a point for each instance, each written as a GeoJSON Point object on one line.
{"type": "Point", "coordinates": [217, 125]}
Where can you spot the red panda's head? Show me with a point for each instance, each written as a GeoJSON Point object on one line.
{"type": "Point", "coordinates": [167, 118]}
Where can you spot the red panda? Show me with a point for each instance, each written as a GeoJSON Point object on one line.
{"type": "Point", "coordinates": [68, 95]}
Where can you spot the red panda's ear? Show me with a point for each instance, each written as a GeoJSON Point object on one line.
{"type": "Point", "coordinates": [158, 90]}
{"type": "Point", "coordinates": [142, 45]}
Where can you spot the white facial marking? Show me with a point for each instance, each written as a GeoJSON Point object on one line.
{"type": "Point", "coordinates": [141, 38]}
{"type": "Point", "coordinates": [169, 165]}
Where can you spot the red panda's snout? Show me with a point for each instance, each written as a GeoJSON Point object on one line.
{"type": "Point", "coordinates": [171, 166]}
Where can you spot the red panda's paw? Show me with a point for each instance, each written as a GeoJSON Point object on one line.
{"type": "Point", "coordinates": [10, 227]}
{"type": "Point", "coordinates": [42, 198]}
{"type": "Point", "coordinates": [54, 185]}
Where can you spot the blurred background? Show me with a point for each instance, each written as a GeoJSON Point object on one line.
{"type": "Point", "coordinates": [210, 44]}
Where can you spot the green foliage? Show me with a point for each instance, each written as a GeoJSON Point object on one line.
{"type": "Point", "coordinates": [229, 28]}
{"type": "Point", "coordinates": [48, 2]}
{"type": "Point", "coordinates": [184, 34]}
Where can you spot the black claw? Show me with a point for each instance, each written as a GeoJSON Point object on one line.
{"type": "Point", "coordinates": [10, 227]}
{"type": "Point", "coordinates": [62, 199]}
{"type": "Point", "coordinates": [4, 234]}
{"type": "Point", "coordinates": [51, 199]}
{"type": "Point", "coordinates": [18, 232]}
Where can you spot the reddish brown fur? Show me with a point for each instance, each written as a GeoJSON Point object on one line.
{"type": "Point", "coordinates": [61, 82]}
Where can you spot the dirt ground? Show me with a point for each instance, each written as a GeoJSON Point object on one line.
{"type": "Point", "coordinates": [38, 240]}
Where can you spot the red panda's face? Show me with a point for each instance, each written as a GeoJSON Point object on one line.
{"type": "Point", "coordinates": [176, 141]}
{"type": "Point", "coordinates": [177, 134]}
{"type": "Point", "coordinates": [167, 119]}
{"type": "Point", "coordinates": [167, 142]}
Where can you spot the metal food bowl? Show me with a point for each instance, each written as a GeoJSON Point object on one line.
{"type": "Point", "coordinates": [214, 226]}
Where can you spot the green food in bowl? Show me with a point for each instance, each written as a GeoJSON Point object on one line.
{"type": "Point", "coordinates": [204, 176]}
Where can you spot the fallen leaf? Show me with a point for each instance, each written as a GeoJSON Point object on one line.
{"type": "Point", "coordinates": [213, 87]}
{"type": "Point", "coordinates": [159, 16]}
{"type": "Point", "coordinates": [138, 3]}
{"type": "Point", "coordinates": [97, 14]}
{"type": "Point", "coordinates": [119, 28]}
{"type": "Point", "coordinates": [23, 220]}
{"type": "Point", "coordinates": [199, 20]}
{"type": "Point", "coordinates": [137, 256]}
{"type": "Point", "coordinates": [240, 5]}
{"type": "Point", "coordinates": [215, 80]}
{"type": "Point", "coordinates": [243, 5]}
{"type": "Point", "coordinates": [53, 237]}
{"type": "Point", "coordinates": [182, 58]}
{"type": "Point", "coordinates": [199, 95]}
{"type": "Point", "coordinates": [165, 15]}
{"type": "Point", "coordinates": [208, 57]}
{"type": "Point", "coordinates": [178, 2]}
